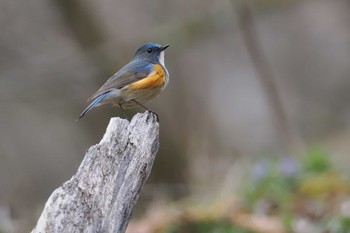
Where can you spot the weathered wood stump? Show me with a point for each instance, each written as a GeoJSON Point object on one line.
{"type": "Point", "coordinates": [100, 197]}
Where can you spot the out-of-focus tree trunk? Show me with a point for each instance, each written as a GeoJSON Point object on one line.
{"type": "Point", "coordinates": [100, 197]}
{"type": "Point", "coordinates": [283, 127]}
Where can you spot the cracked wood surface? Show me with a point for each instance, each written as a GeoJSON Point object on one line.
{"type": "Point", "coordinates": [100, 197]}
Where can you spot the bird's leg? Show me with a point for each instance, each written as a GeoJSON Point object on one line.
{"type": "Point", "coordinates": [136, 102]}
{"type": "Point", "coordinates": [121, 106]}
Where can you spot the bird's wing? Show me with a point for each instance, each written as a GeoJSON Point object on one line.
{"type": "Point", "coordinates": [132, 72]}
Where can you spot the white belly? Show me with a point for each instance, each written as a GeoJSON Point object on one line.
{"type": "Point", "coordinates": [142, 96]}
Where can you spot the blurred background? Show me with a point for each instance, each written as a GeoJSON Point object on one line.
{"type": "Point", "coordinates": [259, 92]}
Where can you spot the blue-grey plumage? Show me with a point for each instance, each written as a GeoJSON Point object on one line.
{"type": "Point", "coordinates": [141, 80]}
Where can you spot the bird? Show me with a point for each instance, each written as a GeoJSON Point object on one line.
{"type": "Point", "coordinates": [135, 84]}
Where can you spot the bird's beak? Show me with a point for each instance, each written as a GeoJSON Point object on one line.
{"type": "Point", "coordinates": [164, 47]}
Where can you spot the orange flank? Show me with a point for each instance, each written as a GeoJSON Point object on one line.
{"type": "Point", "coordinates": [153, 80]}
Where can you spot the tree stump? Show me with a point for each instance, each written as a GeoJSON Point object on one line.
{"type": "Point", "coordinates": [100, 197]}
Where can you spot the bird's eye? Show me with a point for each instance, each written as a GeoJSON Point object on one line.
{"type": "Point", "coordinates": [149, 50]}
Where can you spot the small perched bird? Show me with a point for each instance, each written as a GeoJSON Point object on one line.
{"type": "Point", "coordinates": [141, 80]}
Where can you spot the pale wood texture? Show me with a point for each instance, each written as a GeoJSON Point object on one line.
{"type": "Point", "coordinates": [100, 197]}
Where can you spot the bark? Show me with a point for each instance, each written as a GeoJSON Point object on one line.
{"type": "Point", "coordinates": [100, 197]}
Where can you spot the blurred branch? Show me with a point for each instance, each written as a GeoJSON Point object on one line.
{"type": "Point", "coordinates": [100, 197]}
{"type": "Point", "coordinates": [247, 26]}
{"type": "Point", "coordinates": [226, 211]}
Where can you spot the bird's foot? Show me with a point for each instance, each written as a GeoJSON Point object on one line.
{"type": "Point", "coordinates": [155, 114]}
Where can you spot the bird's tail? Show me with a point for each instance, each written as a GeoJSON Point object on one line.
{"type": "Point", "coordinates": [93, 104]}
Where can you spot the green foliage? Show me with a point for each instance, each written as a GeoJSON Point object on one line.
{"type": "Point", "coordinates": [306, 188]}
{"type": "Point", "coordinates": [319, 177]}
{"type": "Point", "coordinates": [294, 188]}
{"type": "Point", "coordinates": [210, 226]}
{"type": "Point", "coordinates": [271, 188]}
{"type": "Point", "coordinates": [339, 224]}
{"type": "Point", "coordinates": [316, 160]}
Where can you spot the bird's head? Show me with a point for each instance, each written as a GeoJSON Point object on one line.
{"type": "Point", "coordinates": [152, 52]}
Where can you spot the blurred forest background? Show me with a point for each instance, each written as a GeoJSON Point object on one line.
{"type": "Point", "coordinates": [259, 92]}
